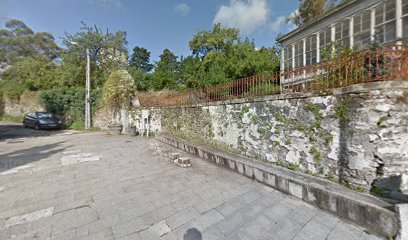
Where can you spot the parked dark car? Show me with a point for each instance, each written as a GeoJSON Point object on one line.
{"type": "Point", "coordinates": [41, 120]}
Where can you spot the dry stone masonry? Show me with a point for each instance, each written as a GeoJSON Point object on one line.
{"type": "Point", "coordinates": [357, 135]}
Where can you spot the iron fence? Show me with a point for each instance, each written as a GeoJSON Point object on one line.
{"type": "Point", "coordinates": [380, 64]}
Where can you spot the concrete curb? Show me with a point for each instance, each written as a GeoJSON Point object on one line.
{"type": "Point", "coordinates": [362, 209]}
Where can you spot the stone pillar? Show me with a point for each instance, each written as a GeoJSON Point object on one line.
{"type": "Point", "coordinates": [293, 56]}
{"type": "Point", "coordinates": [372, 24]}
{"type": "Point", "coordinates": [283, 60]}
{"type": "Point", "coordinates": [317, 47]}
{"type": "Point", "coordinates": [398, 18]}
{"type": "Point", "coordinates": [282, 75]}
{"type": "Point", "coordinates": [351, 32]}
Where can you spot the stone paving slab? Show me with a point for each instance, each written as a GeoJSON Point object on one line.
{"type": "Point", "coordinates": [131, 193]}
{"type": "Point", "coordinates": [365, 210]}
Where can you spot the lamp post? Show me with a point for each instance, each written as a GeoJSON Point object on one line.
{"type": "Point", "coordinates": [87, 87]}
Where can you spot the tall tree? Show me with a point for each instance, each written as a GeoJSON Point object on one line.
{"type": "Point", "coordinates": [166, 72]}
{"type": "Point", "coordinates": [216, 40]}
{"type": "Point", "coordinates": [28, 74]}
{"type": "Point", "coordinates": [140, 59]}
{"type": "Point", "coordinates": [107, 52]}
{"type": "Point", "coordinates": [18, 41]}
{"type": "Point", "coordinates": [309, 10]}
{"type": "Point", "coordinates": [189, 68]}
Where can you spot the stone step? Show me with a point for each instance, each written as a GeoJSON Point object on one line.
{"type": "Point", "coordinates": [365, 210]}
{"type": "Point", "coordinates": [184, 162]}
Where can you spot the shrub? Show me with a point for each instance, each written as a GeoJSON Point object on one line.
{"type": "Point", "coordinates": [118, 91]}
{"type": "Point", "coordinates": [69, 103]}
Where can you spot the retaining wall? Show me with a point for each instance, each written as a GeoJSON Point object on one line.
{"type": "Point", "coordinates": [357, 134]}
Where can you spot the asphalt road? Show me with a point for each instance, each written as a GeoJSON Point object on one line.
{"type": "Point", "coordinates": [11, 130]}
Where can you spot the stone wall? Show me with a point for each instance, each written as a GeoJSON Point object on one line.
{"type": "Point", "coordinates": [358, 134]}
{"type": "Point", "coordinates": [29, 102]}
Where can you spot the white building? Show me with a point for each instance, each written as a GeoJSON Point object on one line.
{"type": "Point", "coordinates": [354, 24]}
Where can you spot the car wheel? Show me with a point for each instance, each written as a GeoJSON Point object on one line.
{"type": "Point", "coordinates": [37, 126]}
{"type": "Point", "coordinates": [25, 125]}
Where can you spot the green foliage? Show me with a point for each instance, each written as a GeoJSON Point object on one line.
{"type": "Point", "coordinates": [377, 190]}
{"type": "Point", "coordinates": [331, 177]}
{"type": "Point", "coordinates": [118, 91]}
{"type": "Point", "coordinates": [293, 166]}
{"type": "Point", "coordinates": [279, 117]}
{"type": "Point", "coordinates": [69, 103]}
{"type": "Point", "coordinates": [78, 124]}
{"type": "Point", "coordinates": [28, 74]}
{"type": "Point", "coordinates": [19, 41]}
{"type": "Point", "coordinates": [219, 39]}
{"type": "Point", "coordinates": [10, 118]}
{"type": "Point", "coordinates": [245, 109]}
{"type": "Point", "coordinates": [140, 59]}
{"type": "Point", "coordinates": [278, 130]}
{"type": "Point", "coordinates": [255, 118]}
{"type": "Point", "coordinates": [166, 71]}
{"type": "Point", "coordinates": [381, 121]}
{"type": "Point", "coordinates": [316, 153]}
{"type": "Point", "coordinates": [340, 112]}
{"type": "Point", "coordinates": [310, 10]}
{"type": "Point", "coordinates": [261, 131]}
{"type": "Point", "coordinates": [108, 53]}
{"type": "Point", "coordinates": [315, 109]}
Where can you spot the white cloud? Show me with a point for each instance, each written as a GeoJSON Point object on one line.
{"type": "Point", "coordinates": [275, 26]}
{"type": "Point", "coordinates": [182, 9]}
{"type": "Point", "coordinates": [117, 4]}
{"type": "Point", "coordinates": [247, 15]}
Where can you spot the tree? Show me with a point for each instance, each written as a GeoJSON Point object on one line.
{"type": "Point", "coordinates": [107, 52]}
{"type": "Point", "coordinates": [140, 59]}
{"type": "Point", "coordinates": [189, 68]}
{"type": "Point", "coordinates": [28, 74]}
{"type": "Point", "coordinates": [309, 10]}
{"type": "Point", "coordinates": [166, 72]}
{"type": "Point", "coordinates": [118, 92]}
{"type": "Point", "coordinates": [18, 41]}
{"type": "Point", "coordinates": [216, 40]}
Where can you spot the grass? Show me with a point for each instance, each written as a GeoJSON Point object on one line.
{"type": "Point", "coordinates": [293, 166]}
{"type": "Point", "coordinates": [10, 118]}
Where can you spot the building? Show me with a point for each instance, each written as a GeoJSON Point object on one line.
{"type": "Point", "coordinates": [354, 24]}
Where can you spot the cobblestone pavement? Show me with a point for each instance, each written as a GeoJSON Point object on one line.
{"type": "Point", "coordinates": [92, 186]}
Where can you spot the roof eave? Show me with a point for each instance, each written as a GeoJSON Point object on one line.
{"type": "Point", "coordinates": [307, 25]}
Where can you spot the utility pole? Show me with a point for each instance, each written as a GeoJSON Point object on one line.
{"type": "Point", "coordinates": [88, 87]}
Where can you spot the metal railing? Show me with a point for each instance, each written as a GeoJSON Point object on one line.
{"type": "Point", "coordinates": [380, 64]}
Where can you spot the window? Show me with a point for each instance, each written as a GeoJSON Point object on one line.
{"type": "Point", "coordinates": [361, 33]}
{"type": "Point", "coordinates": [342, 34]}
{"type": "Point", "coordinates": [288, 58]}
{"type": "Point", "coordinates": [385, 25]}
{"type": "Point", "coordinates": [311, 50]}
{"type": "Point", "coordinates": [325, 39]}
{"type": "Point", "coordinates": [299, 54]}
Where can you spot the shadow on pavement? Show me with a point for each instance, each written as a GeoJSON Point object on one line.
{"type": "Point", "coordinates": [192, 234]}
{"type": "Point", "coordinates": [9, 131]}
{"type": "Point", "coordinates": [22, 157]}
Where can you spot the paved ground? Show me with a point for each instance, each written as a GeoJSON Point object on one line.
{"type": "Point", "coordinates": [92, 186]}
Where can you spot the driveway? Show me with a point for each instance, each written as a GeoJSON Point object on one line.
{"type": "Point", "coordinates": [94, 186]}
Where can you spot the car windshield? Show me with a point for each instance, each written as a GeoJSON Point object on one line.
{"type": "Point", "coordinates": [45, 115]}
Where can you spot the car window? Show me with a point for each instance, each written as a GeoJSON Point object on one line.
{"type": "Point", "coordinates": [45, 115]}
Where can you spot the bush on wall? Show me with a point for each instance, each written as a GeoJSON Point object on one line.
{"type": "Point", "coordinates": [118, 92]}
{"type": "Point", "coordinates": [69, 103]}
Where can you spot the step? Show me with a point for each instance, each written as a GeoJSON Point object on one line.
{"type": "Point", "coordinates": [365, 210]}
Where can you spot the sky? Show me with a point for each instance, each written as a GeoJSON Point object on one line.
{"type": "Point", "coordinates": [154, 24]}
